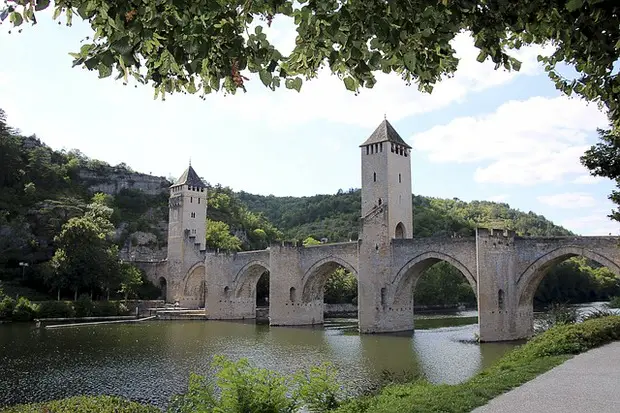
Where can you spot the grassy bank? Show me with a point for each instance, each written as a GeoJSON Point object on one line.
{"type": "Point", "coordinates": [245, 386]}
{"type": "Point", "coordinates": [517, 367]}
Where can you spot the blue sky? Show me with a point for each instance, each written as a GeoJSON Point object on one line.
{"type": "Point", "coordinates": [484, 134]}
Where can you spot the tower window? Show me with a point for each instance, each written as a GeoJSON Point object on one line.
{"type": "Point", "coordinates": [367, 150]}
{"type": "Point", "coordinates": [380, 201]}
{"type": "Point", "coordinates": [381, 147]}
{"type": "Point", "coordinates": [191, 199]}
{"type": "Point", "coordinates": [392, 148]}
{"type": "Point", "coordinates": [198, 200]}
{"type": "Point", "coordinates": [374, 177]}
{"type": "Point", "coordinates": [399, 179]}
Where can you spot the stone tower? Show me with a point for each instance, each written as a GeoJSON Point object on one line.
{"type": "Point", "coordinates": [387, 213]}
{"type": "Point", "coordinates": [386, 179]}
{"type": "Point", "coordinates": [187, 209]}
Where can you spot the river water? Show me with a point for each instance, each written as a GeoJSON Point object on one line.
{"type": "Point", "coordinates": [151, 361]}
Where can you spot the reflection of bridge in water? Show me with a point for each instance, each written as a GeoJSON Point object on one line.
{"type": "Point", "coordinates": [504, 270]}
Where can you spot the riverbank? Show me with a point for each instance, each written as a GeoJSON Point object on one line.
{"type": "Point", "coordinates": [519, 366]}
{"type": "Point", "coordinates": [515, 368]}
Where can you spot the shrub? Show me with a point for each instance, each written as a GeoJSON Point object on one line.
{"type": "Point", "coordinates": [24, 310]}
{"type": "Point", "coordinates": [105, 309]}
{"type": "Point", "coordinates": [7, 304]}
{"type": "Point", "coordinates": [84, 404]}
{"type": "Point", "coordinates": [244, 388]}
{"type": "Point", "coordinates": [557, 314]}
{"type": "Point", "coordinates": [84, 306]}
{"type": "Point", "coordinates": [55, 309]}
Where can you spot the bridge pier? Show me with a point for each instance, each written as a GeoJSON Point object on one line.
{"type": "Point", "coordinates": [499, 315]}
{"type": "Point", "coordinates": [288, 305]}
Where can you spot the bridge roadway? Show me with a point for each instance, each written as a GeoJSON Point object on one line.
{"type": "Point", "coordinates": [587, 383]}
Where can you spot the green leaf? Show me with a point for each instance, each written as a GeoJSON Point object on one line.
{"type": "Point", "coordinates": [121, 46]}
{"type": "Point", "coordinates": [91, 63]}
{"type": "Point", "coordinates": [16, 18]}
{"type": "Point", "coordinates": [57, 12]}
{"type": "Point", "coordinates": [258, 30]}
{"type": "Point", "coordinates": [104, 70]}
{"type": "Point", "coordinates": [482, 56]}
{"type": "Point", "coordinates": [349, 83]}
{"type": "Point", "coordinates": [572, 5]}
{"type": "Point", "coordinates": [42, 4]}
{"type": "Point", "coordinates": [265, 77]}
{"type": "Point", "coordinates": [410, 61]}
{"type": "Point", "coordinates": [297, 83]}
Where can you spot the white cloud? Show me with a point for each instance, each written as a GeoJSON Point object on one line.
{"type": "Point", "coordinates": [522, 142]}
{"type": "Point", "coordinates": [325, 98]}
{"type": "Point", "coordinates": [499, 198]}
{"type": "Point", "coordinates": [587, 180]}
{"type": "Point", "coordinates": [568, 200]}
{"type": "Point", "coordinates": [597, 223]}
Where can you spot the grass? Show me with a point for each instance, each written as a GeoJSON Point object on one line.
{"type": "Point", "coordinates": [517, 367]}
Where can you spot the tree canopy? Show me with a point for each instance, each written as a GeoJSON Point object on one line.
{"type": "Point", "coordinates": [198, 46]}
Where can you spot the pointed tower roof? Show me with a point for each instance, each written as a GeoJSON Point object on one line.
{"type": "Point", "coordinates": [191, 178]}
{"type": "Point", "coordinates": [385, 133]}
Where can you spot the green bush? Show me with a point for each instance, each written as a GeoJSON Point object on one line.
{"type": "Point", "coordinates": [7, 304]}
{"type": "Point", "coordinates": [105, 309]}
{"type": "Point", "coordinates": [83, 404]}
{"type": "Point", "coordinates": [244, 388]}
{"type": "Point", "coordinates": [614, 302]}
{"type": "Point", "coordinates": [84, 306]}
{"type": "Point", "coordinates": [24, 310]}
{"type": "Point", "coordinates": [55, 309]}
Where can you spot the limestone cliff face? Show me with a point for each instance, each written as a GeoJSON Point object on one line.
{"type": "Point", "coordinates": [111, 180]}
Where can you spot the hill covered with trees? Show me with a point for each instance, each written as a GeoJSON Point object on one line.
{"type": "Point", "coordinates": [47, 196]}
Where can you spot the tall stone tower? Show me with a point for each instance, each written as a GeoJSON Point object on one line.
{"type": "Point", "coordinates": [387, 213]}
{"type": "Point", "coordinates": [386, 179]}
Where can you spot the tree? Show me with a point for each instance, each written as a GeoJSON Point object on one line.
{"type": "Point", "coordinates": [218, 236]}
{"type": "Point", "coordinates": [85, 257]}
{"type": "Point", "coordinates": [311, 241]}
{"type": "Point", "coordinates": [130, 280]}
{"type": "Point", "coordinates": [603, 159]}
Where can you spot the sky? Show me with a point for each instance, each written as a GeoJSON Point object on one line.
{"type": "Point", "coordinates": [483, 134]}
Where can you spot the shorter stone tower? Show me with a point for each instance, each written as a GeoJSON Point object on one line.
{"type": "Point", "coordinates": [186, 239]}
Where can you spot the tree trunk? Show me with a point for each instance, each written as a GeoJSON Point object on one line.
{"type": "Point", "coordinates": [108, 294]}
{"type": "Point", "coordinates": [75, 295]}
{"type": "Point", "coordinates": [58, 293]}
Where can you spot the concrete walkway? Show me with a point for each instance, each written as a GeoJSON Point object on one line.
{"type": "Point", "coordinates": [587, 383]}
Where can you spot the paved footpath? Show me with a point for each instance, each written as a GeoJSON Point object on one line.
{"type": "Point", "coordinates": [587, 383]}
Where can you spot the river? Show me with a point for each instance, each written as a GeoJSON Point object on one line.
{"type": "Point", "coordinates": [151, 361]}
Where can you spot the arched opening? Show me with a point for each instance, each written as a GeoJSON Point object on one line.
{"type": "Point", "coordinates": [439, 289]}
{"type": "Point", "coordinates": [573, 278]}
{"type": "Point", "coordinates": [400, 231]}
{"type": "Point", "coordinates": [252, 289]}
{"type": "Point", "coordinates": [163, 286]}
{"type": "Point", "coordinates": [331, 284]}
{"type": "Point", "coordinates": [293, 294]}
{"type": "Point", "coordinates": [194, 288]}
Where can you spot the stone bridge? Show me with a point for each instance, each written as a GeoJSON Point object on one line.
{"type": "Point", "coordinates": [503, 270]}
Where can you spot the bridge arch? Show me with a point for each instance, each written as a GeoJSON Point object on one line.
{"type": "Point", "coordinates": [408, 276]}
{"type": "Point", "coordinates": [529, 280]}
{"type": "Point", "coordinates": [315, 278]}
{"type": "Point", "coordinates": [194, 283]}
{"type": "Point", "coordinates": [247, 277]}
